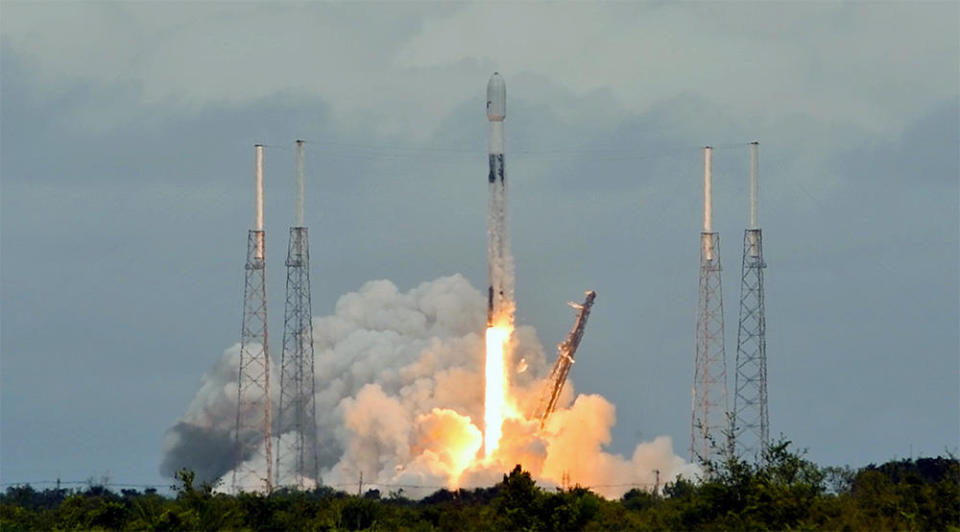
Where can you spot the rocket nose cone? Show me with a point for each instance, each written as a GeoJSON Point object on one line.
{"type": "Point", "coordinates": [496, 98]}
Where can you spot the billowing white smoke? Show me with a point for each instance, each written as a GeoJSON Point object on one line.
{"type": "Point", "coordinates": [400, 398]}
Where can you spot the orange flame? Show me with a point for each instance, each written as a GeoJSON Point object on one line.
{"type": "Point", "coordinates": [451, 441]}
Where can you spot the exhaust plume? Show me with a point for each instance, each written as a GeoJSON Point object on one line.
{"type": "Point", "coordinates": [400, 400]}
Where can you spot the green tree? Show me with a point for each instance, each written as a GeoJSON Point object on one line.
{"type": "Point", "coordinates": [516, 504]}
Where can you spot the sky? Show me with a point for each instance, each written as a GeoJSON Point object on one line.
{"type": "Point", "coordinates": [126, 190]}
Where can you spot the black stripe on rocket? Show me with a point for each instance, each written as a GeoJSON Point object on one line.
{"type": "Point", "coordinates": [490, 306]}
{"type": "Point", "coordinates": [496, 167]}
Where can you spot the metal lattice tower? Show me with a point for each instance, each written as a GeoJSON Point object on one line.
{"type": "Point", "coordinates": [253, 426]}
{"type": "Point", "coordinates": [566, 351]}
{"type": "Point", "coordinates": [708, 422]}
{"type": "Point", "coordinates": [750, 418]}
{"type": "Point", "coordinates": [297, 415]}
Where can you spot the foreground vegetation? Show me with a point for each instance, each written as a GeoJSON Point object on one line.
{"type": "Point", "coordinates": [787, 492]}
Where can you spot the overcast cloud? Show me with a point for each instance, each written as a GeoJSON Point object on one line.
{"type": "Point", "coordinates": [126, 134]}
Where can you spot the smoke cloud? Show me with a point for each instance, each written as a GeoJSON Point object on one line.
{"type": "Point", "coordinates": [400, 400]}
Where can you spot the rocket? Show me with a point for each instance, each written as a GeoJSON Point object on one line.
{"type": "Point", "coordinates": [499, 264]}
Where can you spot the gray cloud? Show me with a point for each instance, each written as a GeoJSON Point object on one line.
{"type": "Point", "coordinates": [125, 200]}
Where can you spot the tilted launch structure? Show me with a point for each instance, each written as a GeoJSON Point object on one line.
{"type": "Point", "coordinates": [253, 426]}
{"type": "Point", "coordinates": [566, 350]}
{"type": "Point", "coordinates": [750, 417]}
{"type": "Point", "coordinates": [297, 462]}
{"type": "Point", "coordinates": [709, 422]}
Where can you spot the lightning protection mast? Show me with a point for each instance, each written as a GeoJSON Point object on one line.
{"type": "Point", "coordinates": [297, 415]}
{"type": "Point", "coordinates": [750, 418]}
{"type": "Point", "coordinates": [709, 410]}
{"type": "Point", "coordinates": [253, 427]}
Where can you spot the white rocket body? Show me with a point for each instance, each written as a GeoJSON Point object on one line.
{"type": "Point", "coordinates": [499, 262]}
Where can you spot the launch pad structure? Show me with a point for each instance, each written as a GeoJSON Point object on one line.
{"type": "Point", "coordinates": [715, 430]}
{"type": "Point", "coordinates": [297, 413]}
{"type": "Point", "coordinates": [708, 421]}
{"type": "Point", "coordinates": [566, 351]}
{"type": "Point", "coordinates": [750, 417]}
{"type": "Point", "coordinates": [253, 424]}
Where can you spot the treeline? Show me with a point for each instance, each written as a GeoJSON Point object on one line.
{"type": "Point", "coordinates": [785, 492]}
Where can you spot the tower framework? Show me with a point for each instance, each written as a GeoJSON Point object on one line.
{"type": "Point", "coordinates": [297, 415]}
{"type": "Point", "coordinates": [253, 426]}
{"type": "Point", "coordinates": [709, 419]}
{"type": "Point", "coordinates": [566, 351]}
{"type": "Point", "coordinates": [253, 388]}
{"type": "Point", "coordinates": [750, 417]}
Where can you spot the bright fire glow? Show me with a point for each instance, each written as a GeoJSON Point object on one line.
{"type": "Point", "coordinates": [495, 391]}
{"type": "Point", "coordinates": [451, 440]}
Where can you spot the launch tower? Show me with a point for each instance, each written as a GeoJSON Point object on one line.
{"type": "Point", "coordinates": [709, 409]}
{"type": "Point", "coordinates": [253, 426]}
{"type": "Point", "coordinates": [566, 351]}
{"type": "Point", "coordinates": [750, 419]}
{"type": "Point", "coordinates": [297, 415]}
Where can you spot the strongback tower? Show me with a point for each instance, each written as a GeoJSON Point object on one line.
{"type": "Point", "coordinates": [253, 426]}
{"type": "Point", "coordinates": [709, 409]}
{"type": "Point", "coordinates": [750, 418]}
{"type": "Point", "coordinates": [297, 416]}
